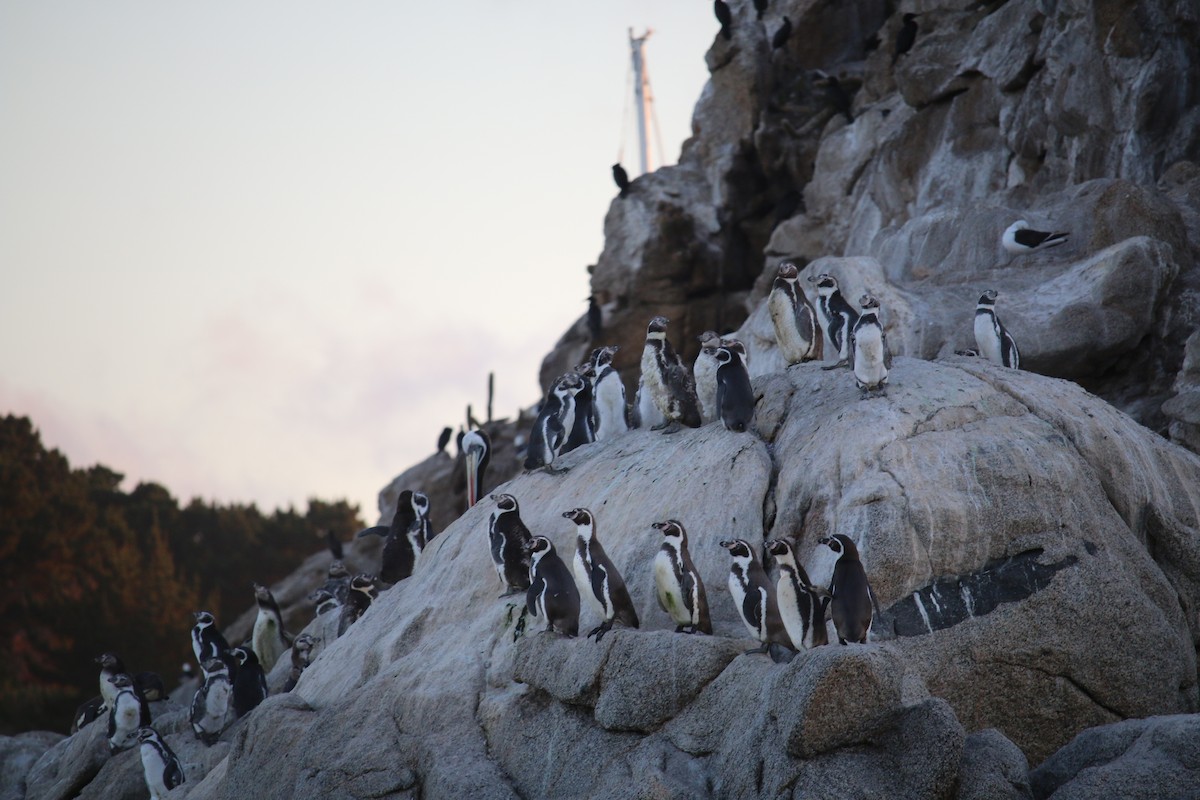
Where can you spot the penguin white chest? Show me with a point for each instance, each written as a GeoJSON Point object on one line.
{"type": "Point", "coordinates": [705, 373]}
{"type": "Point", "coordinates": [670, 593]}
{"type": "Point", "coordinates": [583, 581]}
{"type": "Point", "coordinates": [738, 590]}
{"type": "Point", "coordinates": [610, 403]}
{"type": "Point", "coordinates": [789, 608]}
{"type": "Point", "coordinates": [783, 314]}
{"type": "Point", "coordinates": [987, 338]}
{"type": "Point", "coordinates": [869, 366]}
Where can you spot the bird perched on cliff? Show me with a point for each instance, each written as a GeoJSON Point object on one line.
{"type": "Point", "coordinates": [403, 539]}
{"type": "Point", "coordinates": [476, 448]}
{"type": "Point", "coordinates": [837, 316]}
{"type": "Point", "coordinates": [553, 423]}
{"type": "Point", "coordinates": [782, 35]}
{"type": "Point", "coordinates": [725, 17]}
{"type": "Point", "coordinates": [869, 353]}
{"type": "Point", "coordinates": [754, 596]}
{"type": "Point", "coordinates": [583, 431]}
{"type": "Point", "coordinates": [735, 395]}
{"type": "Point", "coordinates": [507, 540]}
{"type": "Point", "coordinates": [552, 593]}
{"type": "Point", "coordinates": [87, 713]}
{"type": "Point", "coordinates": [211, 703]}
{"type": "Point", "coordinates": [1020, 239]}
{"type": "Point", "coordinates": [302, 656]}
{"type": "Point", "coordinates": [207, 641]}
{"type": "Point", "coordinates": [836, 94]}
{"type": "Point", "coordinates": [906, 37]}
{"type": "Point", "coordinates": [269, 639]}
{"type": "Point", "coordinates": [797, 330]}
{"type": "Point", "coordinates": [443, 440]}
{"type": "Point", "coordinates": [111, 666]}
{"type": "Point", "coordinates": [250, 683]}
{"type": "Point", "coordinates": [621, 178]}
{"type": "Point", "coordinates": [994, 341]}
{"type": "Point", "coordinates": [150, 685]}
{"type": "Point", "coordinates": [801, 604]}
{"type": "Point", "coordinates": [608, 395]}
{"type": "Point", "coordinates": [667, 381]}
{"type": "Point", "coordinates": [129, 711]}
{"type": "Point", "coordinates": [598, 578]}
{"type": "Point", "coordinates": [678, 586]}
{"type": "Point", "coordinates": [362, 593]}
{"type": "Point", "coordinates": [851, 601]}
{"type": "Point", "coordinates": [160, 765]}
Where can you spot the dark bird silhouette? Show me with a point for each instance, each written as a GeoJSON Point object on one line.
{"type": "Point", "coordinates": [725, 17]}
{"type": "Point", "coordinates": [836, 94]}
{"type": "Point", "coordinates": [595, 319]}
{"type": "Point", "coordinates": [621, 178]}
{"type": "Point", "coordinates": [760, 6]}
{"type": "Point", "coordinates": [781, 36]}
{"type": "Point", "coordinates": [907, 36]}
{"type": "Point", "coordinates": [444, 439]}
{"type": "Point", "coordinates": [334, 544]}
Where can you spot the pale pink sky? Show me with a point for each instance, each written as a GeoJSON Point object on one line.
{"type": "Point", "coordinates": [264, 251]}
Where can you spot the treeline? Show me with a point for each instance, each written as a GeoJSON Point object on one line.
{"type": "Point", "coordinates": [86, 567]}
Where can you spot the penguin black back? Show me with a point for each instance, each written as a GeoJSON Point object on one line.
{"type": "Point", "coordinates": [597, 577]}
{"type": "Point", "coordinates": [852, 604]}
{"type": "Point", "coordinates": [507, 540]}
{"type": "Point", "coordinates": [250, 685]}
{"type": "Point", "coordinates": [680, 589]}
{"type": "Point", "coordinates": [552, 592]}
{"type": "Point", "coordinates": [735, 396]}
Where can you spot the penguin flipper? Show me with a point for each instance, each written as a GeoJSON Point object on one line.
{"type": "Point", "coordinates": [887, 351]}
{"type": "Point", "coordinates": [377, 530]}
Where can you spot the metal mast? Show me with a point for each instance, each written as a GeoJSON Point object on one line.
{"type": "Point", "coordinates": [641, 91]}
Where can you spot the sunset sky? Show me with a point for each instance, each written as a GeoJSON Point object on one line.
{"type": "Point", "coordinates": [265, 251]}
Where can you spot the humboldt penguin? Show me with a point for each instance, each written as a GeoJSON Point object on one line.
{"type": "Point", "coordinates": [111, 666]}
{"type": "Point", "coordinates": [608, 395]}
{"type": "Point", "coordinates": [159, 764]}
{"type": "Point", "coordinates": [796, 328]}
{"type": "Point", "coordinates": [704, 373]}
{"type": "Point", "coordinates": [837, 317]}
{"type": "Point", "coordinates": [994, 341]}
{"type": "Point", "coordinates": [735, 396]}
{"type": "Point", "coordinates": [552, 594]}
{"type": "Point", "coordinates": [211, 703]}
{"type": "Point", "coordinates": [88, 713]}
{"type": "Point", "coordinates": [362, 593]}
{"type": "Point", "coordinates": [583, 431]}
{"type": "Point", "coordinates": [302, 656]}
{"type": "Point", "coordinates": [150, 685]}
{"type": "Point", "coordinates": [1020, 239]}
{"type": "Point", "coordinates": [754, 597]}
{"type": "Point", "coordinates": [324, 601]}
{"type": "Point", "coordinates": [337, 581]}
{"type": "Point", "coordinates": [129, 711]}
{"type": "Point", "coordinates": [598, 578]}
{"type": "Point", "coordinates": [667, 380]}
{"type": "Point", "coordinates": [476, 448]}
{"type": "Point", "coordinates": [554, 422]}
{"type": "Point", "coordinates": [250, 683]}
{"type": "Point", "coordinates": [801, 605]}
{"type": "Point", "coordinates": [679, 588]}
{"type": "Point", "coordinates": [851, 603]}
{"type": "Point", "coordinates": [207, 641]}
{"type": "Point", "coordinates": [869, 351]}
{"type": "Point", "coordinates": [507, 538]}
{"type": "Point", "coordinates": [269, 639]}
{"type": "Point", "coordinates": [404, 539]}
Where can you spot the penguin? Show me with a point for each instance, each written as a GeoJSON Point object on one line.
{"type": "Point", "coordinates": [645, 413]}
{"type": "Point", "coordinates": [725, 17]}
{"type": "Point", "coordinates": [362, 594]}
{"type": "Point", "coordinates": [87, 713]}
{"type": "Point", "coordinates": [420, 506]}
{"type": "Point", "coordinates": [598, 578]}
{"type": "Point", "coordinates": [608, 395]}
{"type": "Point", "coordinates": [210, 704]}
{"type": "Point", "coordinates": [621, 179]}
{"type": "Point", "coordinates": [554, 422]}
{"type": "Point", "coordinates": [269, 639]}
{"type": "Point", "coordinates": [129, 711]}
{"type": "Point", "coordinates": [801, 605]}
{"type": "Point", "coordinates": [837, 317]}
{"type": "Point", "coordinates": [906, 37]}
{"type": "Point", "coordinates": [111, 666]}
{"type": "Point", "coordinates": [159, 764]}
{"type": "Point", "coordinates": [302, 656]}
{"type": "Point", "coordinates": [780, 39]}
{"type": "Point", "coordinates": [994, 341]}
{"type": "Point", "coordinates": [677, 582]}
{"type": "Point", "coordinates": [869, 350]}
{"type": "Point", "coordinates": [476, 447]}
{"type": "Point", "coordinates": [207, 641]}
{"type": "Point", "coordinates": [754, 596]}
{"type": "Point", "coordinates": [851, 603]}
{"type": "Point", "coordinates": [324, 601]}
{"type": "Point", "coordinates": [735, 396]}
{"type": "Point", "coordinates": [552, 593]}
{"type": "Point", "coordinates": [704, 374]}
{"type": "Point", "coordinates": [150, 686]}
{"type": "Point", "coordinates": [796, 328]}
{"type": "Point", "coordinates": [667, 380]}
{"type": "Point", "coordinates": [507, 538]}
{"type": "Point", "coordinates": [1020, 239]}
{"type": "Point", "coordinates": [403, 540]}
{"type": "Point", "coordinates": [583, 430]}
{"type": "Point", "coordinates": [337, 581]}
{"type": "Point", "coordinates": [250, 683]}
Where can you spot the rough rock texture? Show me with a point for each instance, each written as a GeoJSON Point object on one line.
{"type": "Point", "coordinates": [992, 768]}
{"type": "Point", "coordinates": [18, 754]}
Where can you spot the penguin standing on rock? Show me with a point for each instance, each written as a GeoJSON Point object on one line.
{"type": "Point", "coordinates": [160, 765]}
{"type": "Point", "coordinates": [677, 582]}
{"type": "Point", "coordinates": [869, 351]}
{"type": "Point", "coordinates": [1020, 239]}
{"type": "Point", "coordinates": [552, 594]}
{"type": "Point", "coordinates": [362, 594]}
{"type": "Point", "coordinates": [323, 601]}
{"type": "Point", "coordinates": [553, 424]}
{"type": "Point", "coordinates": [302, 655]}
{"type": "Point", "coordinates": [507, 539]}
{"type": "Point", "coordinates": [250, 684]}
{"type": "Point", "coordinates": [337, 581]}
{"type": "Point", "coordinates": [111, 666]}
{"type": "Point", "coordinates": [704, 373]}
{"type": "Point", "coordinates": [801, 605]}
{"type": "Point", "coordinates": [735, 396]}
{"type": "Point", "coordinates": [754, 596]}
{"type": "Point", "coordinates": [476, 448]}
{"type": "Point", "coordinates": [608, 395]}
{"type": "Point", "coordinates": [128, 713]}
{"type": "Point", "coordinates": [667, 380]}
{"type": "Point", "coordinates": [837, 317]}
{"type": "Point", "coordinates": [403, 540]}
{"type": "Point", "coordinates": [796, 328]}
{"type": "Point", "coordinates": [851, 601]}
{"type": "Point", "coordinates": [994, 341]}
{"type": "Point", "coordinates": [598, 578]}
{"type": "Point", "coordinates": [210, 704]}
{"type": "Point", "coordinates": [583, 431]}
{"type": "Point", "coordinates": [269, 639]}
{"type": "Point", "coordinates": [87, 713]}
{"type": "Point", "coordinates": [207, 641]}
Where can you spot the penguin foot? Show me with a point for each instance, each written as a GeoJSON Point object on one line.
{"type": "Point", "coordinates": [681, 629]}
{"type": "Point", "coordinates": [841, 363]}
{"type": "Point", "coordinates": [757, 650]}
{"type": "Point", "coordinates": [549, 470]}
{"type": "Point", "coordinates": [600, 630]}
